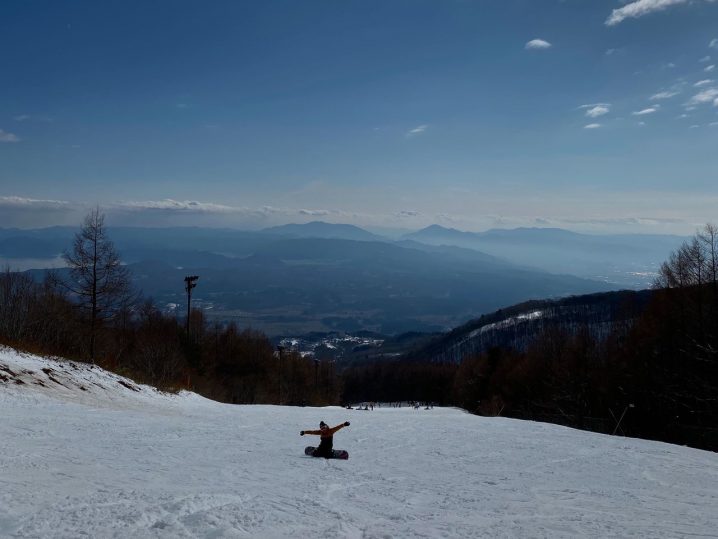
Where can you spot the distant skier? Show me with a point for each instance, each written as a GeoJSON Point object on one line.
{"type": "Point", "coordinates": [327, 438]}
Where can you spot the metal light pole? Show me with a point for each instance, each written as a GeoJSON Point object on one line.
{"type": "Point", "coordinates": [316, 374]}
{"type": "Point", "coordinates": [280, 349]}
{"type": "Point", "coordinates": [189, 283]}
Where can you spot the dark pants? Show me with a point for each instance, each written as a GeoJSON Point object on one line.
{"type": "Point", "coordinates": [325, 448]}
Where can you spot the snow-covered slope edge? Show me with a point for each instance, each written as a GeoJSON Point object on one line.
{"type": "Point", "coordinates": [72, 381]}
{"type": "Point", "coordinates": [113, 462]}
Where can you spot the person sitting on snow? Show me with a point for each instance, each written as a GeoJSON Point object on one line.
{"type": "Point", "coordinates": [327, 438]}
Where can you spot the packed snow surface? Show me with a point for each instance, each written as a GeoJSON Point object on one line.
{"type": "Point", "coordinates": [119, 460]}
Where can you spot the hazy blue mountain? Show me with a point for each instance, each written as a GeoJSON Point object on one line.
{"type": "Point", "coordinates": [52, 232]}
{"type": "Point", "coordinates": [287, 285]}
{"type": "Point", "coordinates": [462, 253]}
{"type": "Point", "coordinates": [136, 243]}
{"type": "Point", "coordinates": [32, 247]}
{"type": "Point", "coordinates": [438, 233]}
{"type": "Point", "coordinates": [627, 260]}
{"type": "Point", "coordinates": [320, 229]}
{"type": "Point", "coordinates": [300, 285]}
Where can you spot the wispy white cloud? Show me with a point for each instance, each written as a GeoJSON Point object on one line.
{"type": "Point", "coordinates": [168, 204]}
{"type": "Point", "coordinates": [15, 202]}
{"type": "Point", "coordinates": [705, 60]}
{"type": "Point", "coordinates": [639, 8]}
{"type": "Point", "coordinates": [315, 213]}
{"type": "Point", "coordinates": [709, 68]}
{"type": "Point", "coordinates": [598, 110]}
{"type": "Point", "coordinates": [160, 212]}
{"type": "Point", "coordinates": [714, 43]}
{"type": "Point", "coordinates": [26, 212]}
{"type": "Point", "coordinates": [650, 221]}
{"type": "Point", "coordinates": [538, 44]}
{"type": "Point", "coordinates": [418, 130]}
{"type": "Point", "coordinates": [29, 212]}
{"type": "Point", "coordinates": [702, 83]}
{"type": "Point", "coordinates": [664, 95]}
{"type": "Point", "coordinates": [595, 110]}
{"type": "Point", "coordinates": [592, 126]}
{"type": "Point", "coordinates": [644, 112]}
{"type": "Point", "coordinates": [32, 118]}
{"type": "Point", "coordinates": [8, 137]}
{"type": "Point", "coordinates": [446, 218]}
{"type": "Point", "coordinates": [701, 98]}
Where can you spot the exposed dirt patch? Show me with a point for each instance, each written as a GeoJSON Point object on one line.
{"type": "Point", "coordinates": [7, 370]}
{"type": "Point", "coordinates": [128, 386]}
{"type": "Point", "coordinates": [56, 381]}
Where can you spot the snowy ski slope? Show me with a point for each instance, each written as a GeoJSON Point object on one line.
{"type": "Point", "coordinates": [118, 460]}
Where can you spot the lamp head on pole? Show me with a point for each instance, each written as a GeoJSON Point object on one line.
{"type": "Point", "coordinates": [190, 282]}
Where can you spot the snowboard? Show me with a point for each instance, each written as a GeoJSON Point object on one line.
{"type": "Point", "coordinates": [336, 453]}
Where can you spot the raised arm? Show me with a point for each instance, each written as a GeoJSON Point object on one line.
{"type": "Point", "coordinates": [317, 432]}
{"type": "Point", "coordinates": [339, 427]}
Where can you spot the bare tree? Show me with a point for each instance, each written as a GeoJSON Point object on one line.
{"type": "Point", "coordinates": [708, 239]}
{"type": "Point", "coordinates": [693, 269]}
{"type": "Point", "coordinates": [17, 294]}
{"type": "Point", "coordinates": [695, 263]}
{"type": "Point", "coordinates": [98, 281]}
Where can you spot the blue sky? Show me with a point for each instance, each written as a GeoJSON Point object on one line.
{"type": "Point", "coordinates": [589, 115]}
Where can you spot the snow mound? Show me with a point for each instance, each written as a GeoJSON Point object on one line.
{"type": "Point", "coordinates": [120, 460]}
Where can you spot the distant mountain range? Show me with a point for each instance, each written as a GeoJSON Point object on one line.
{"type": "Point", "coordinates": [299, 285]}
{"type": "Point", "coordinates": [320, 229]}
{"type": "Point", "coordinates": [284, 284]}
{"type": "Point", "coordinates": [627, 260]}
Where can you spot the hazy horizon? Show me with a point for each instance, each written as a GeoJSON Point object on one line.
{"type": "Point", "coordinates": [115, 221]}
{"type": "Point", "coordinates": [597, 117]}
